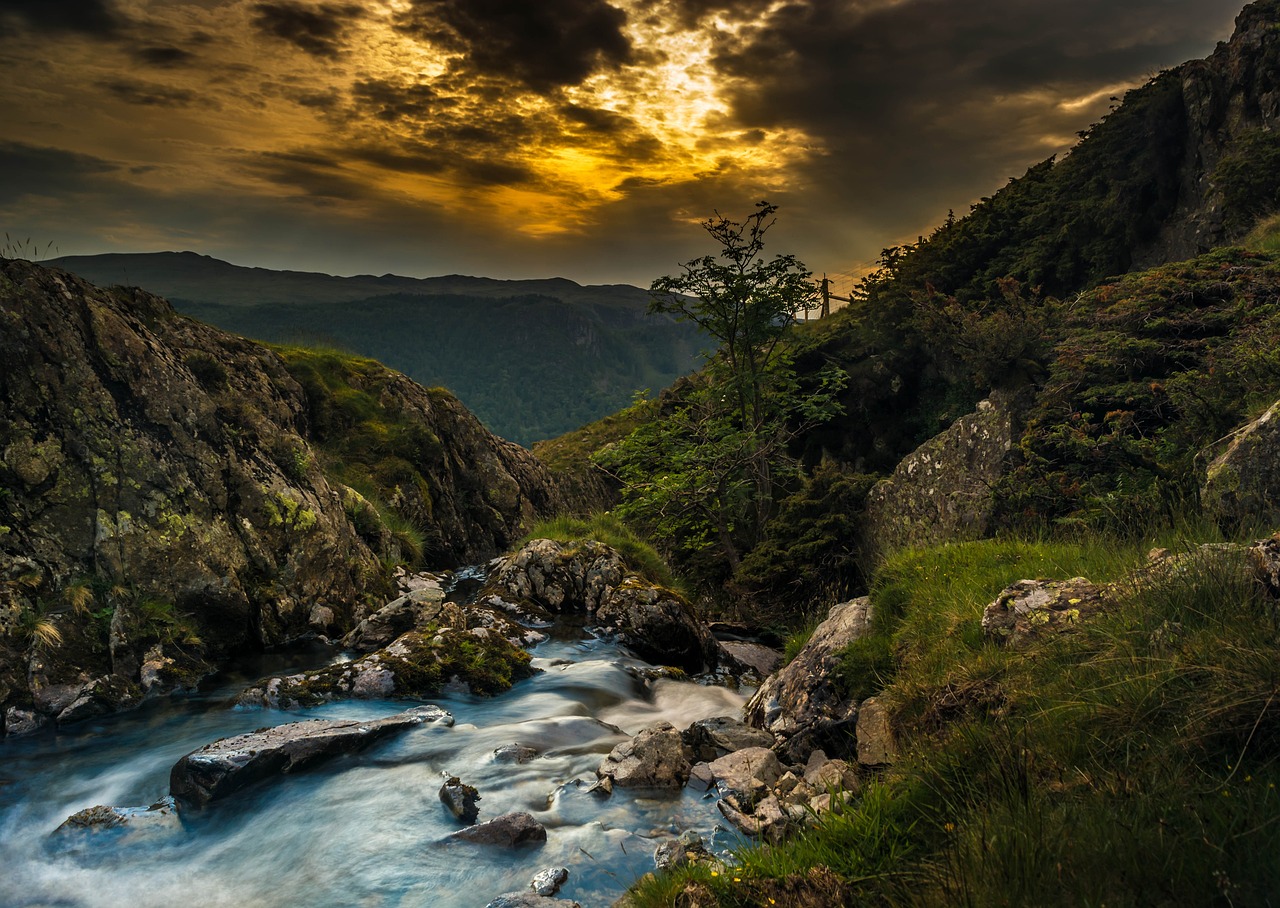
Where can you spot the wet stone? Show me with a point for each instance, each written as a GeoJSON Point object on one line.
{"type": "Point", "coordinates": [460, 799]}
{"type": "Point", "coordinates": [514, 753]}
{"type": "Point", "coordinates": [508, 830]}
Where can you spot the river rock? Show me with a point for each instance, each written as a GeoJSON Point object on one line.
{"type": "Point", "coordinates": [508, 830]}
{"type": "Point", "coordinates": [18, 722]}
{"type": "Point", "coordinates": [1030, 609]}
{"type": "Point", "coordinates": [561, 577]}
{"type": "Point", "coordinates": [514, 753]}
{"type": "Point", "coordinates": [709, 739]}
{"type": "Point", "coordinates": [460, 799]}
{"type": "Point", "coordinates": [217, 770]}
{"type": "Point", "coordinates": [655, 758]}
{"type": "Point", "coordinates": [658, 625]}
{"type": "Point", "coordinates": [160, 817]}
{"type": "Point", "coordinates": [530, 900]}
{"type": "Point", "coordinates": [548, 882]}
{"type": "Point", "coordinates": [799, 703]}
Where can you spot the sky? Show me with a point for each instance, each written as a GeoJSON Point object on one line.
{"type": "Point", "coordinates": [585, 139]}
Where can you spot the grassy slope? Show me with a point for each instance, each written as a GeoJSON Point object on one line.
{"type": "Point", "coordinates": [1132, 762]}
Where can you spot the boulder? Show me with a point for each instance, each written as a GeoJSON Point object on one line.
{"type": "Point", "coordinates": [799, 703]}
{"type": "Point", "coordinates": [941, 492]}
{"type": "Point", "coordinates": [658, 625]}
{"type": "Point", "coordinates": [1242, 484]}
{"type": "Point", "coordinates": [770, 820]}
{"type": "Point", "coordinates": [410, 612]}
{"type": "Point", "coordinates": [560, 577]}
{"type": "Point", "coordinates": [761, 659]}
{"type": "Point", "coordinates": [460, 799]}
{"type": "Point", "coordinates": [709, 739]}
{"type": "Point", "coordinates": [592, 578]}
{"type": "Point", "coordinates": [508, 831]}
{"type": "Point", "coordinates": [217, 770]}
{"type": "Point", "coordinates": [18, 722]}
{"type": "Point", "coordinates": [1030, 609]}
{"type": "Point", "coordinates": [655, 758]}
{"type": "Point", "coordinates": [747, 775]}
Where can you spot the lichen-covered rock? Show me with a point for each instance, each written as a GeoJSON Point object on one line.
{"type": "Point", "coordinates": [561, 577]}
{"type": "Point", "coordinates": [547, 882]}
{"type": "Point", "coordinates": [1030, 609]}
{"type": "Point", "coordinates": [1242, 484]}
{"type": "Point", "coordinates": [508, 831]}
{"type": "Point", "coordinates": [655, 758]}
{"type": "Point", "coordinates": [412, 610]}
{"type": "Point", "coordinates": [230, 764]}
{"type": "Point", "coordinates": [941, 492]}
{"type": "Point", "coordinates": [876, 743]}
{"type": "Point", "coordinates": [417, 665]}
{"type": "Point", "coordinates": [800, 701]}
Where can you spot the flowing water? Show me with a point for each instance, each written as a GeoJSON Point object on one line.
{"type": "Point", "coordinates": [362, 830]}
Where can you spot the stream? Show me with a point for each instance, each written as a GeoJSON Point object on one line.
{"type": "Point", "coordinates": [362, 830]}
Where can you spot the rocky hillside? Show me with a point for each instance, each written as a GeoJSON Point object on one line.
{"type": "Point", "coordinates": [170, 493]}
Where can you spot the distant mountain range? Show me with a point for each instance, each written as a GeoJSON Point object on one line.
{"type": "Point", "coordinates": [532, 359]}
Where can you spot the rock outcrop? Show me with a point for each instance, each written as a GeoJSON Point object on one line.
{"type": "Point", "coordinates": [800, 703]}
{"type": "Point", "coordinates": [941, 492]}
{"type": "Point", "coordinates": [168, 473]}
{"type": "Point", "coordinates": [228, 765]}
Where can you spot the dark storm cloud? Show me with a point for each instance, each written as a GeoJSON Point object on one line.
{"type": "Point", "coordinates": [39, 170]}
{"type": "Point", "coordinates": [922, 94]}
{"type": "Point", "coordinates": [164, 56]}
{"type": "Point", "coordinates": [149, 94]}
{"type": "Point", "coordinates": [90, 17]}
{"type": "Point", "coordinates": [543, 45]}
{"type": "Point", "coordinates": [393, 101]}
{"type": "Point", "coordinates": [319, 30]}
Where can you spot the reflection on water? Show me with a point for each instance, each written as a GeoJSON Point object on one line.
{"type": "Point", "coordinates": [365, 830]}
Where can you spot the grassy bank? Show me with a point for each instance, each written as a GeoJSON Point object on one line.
{"type": "Point", "coordinates": [1131, 761]}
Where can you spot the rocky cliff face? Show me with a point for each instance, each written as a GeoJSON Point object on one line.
{"type": "Point", "coordinates": [1232, 93]}
{"type": "Point", "coordinates": [170, 492]}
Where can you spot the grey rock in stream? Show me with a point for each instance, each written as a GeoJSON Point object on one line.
{"type": "Point", "coordinates": [655, 758]}
{"type": "Point", "coordinates": [161, 816]}
{"type": "Point", "coordinates": [548, 882]}
{"type": "Point", "coordinates": [509, 830]}
{"type": "Point", "coordinates": [530, 900]}
{"type": "Point", "coordinates": [229, 764]}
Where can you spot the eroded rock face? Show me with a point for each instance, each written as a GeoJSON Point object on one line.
{"type": "Point", "coordinates": [1030, 609]}
{"type": "Point", "coordinates": [1242, 484]}
{"type": "Point", "coordinates": [655, 758]}
{"type": "Point", "coordinates": [800, 702]}
{"type": "Point", "coordinates": [219, 769]}
{"type": "Point", "coordinates": [941, 492]}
